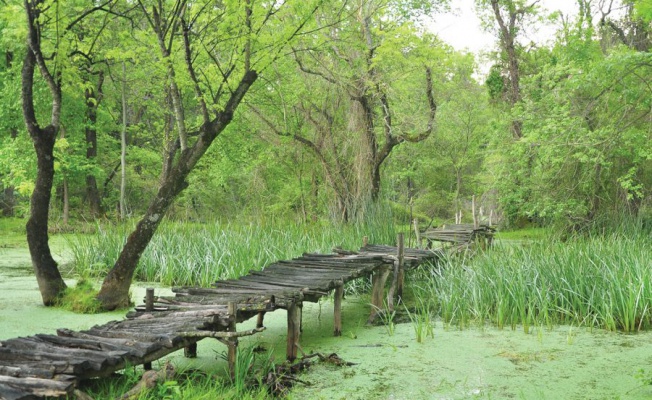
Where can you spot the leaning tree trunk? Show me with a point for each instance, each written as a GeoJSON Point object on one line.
{"type": "Point", "coordinates": [115, 288]}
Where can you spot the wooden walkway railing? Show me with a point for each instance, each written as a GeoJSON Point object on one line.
{"type": "Point", "coordinates": [52, 365]}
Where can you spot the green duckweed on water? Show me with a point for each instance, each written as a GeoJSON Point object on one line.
{"type": "Point", "coordinates": [563, 362]}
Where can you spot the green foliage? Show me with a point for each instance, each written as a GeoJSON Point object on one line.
{"type": "Point", "coordinates": [496, 83]}
{"type": "Point", "coordinates": [585, 153]}
{"type": "Point", "coordinates": [644, 9]}
{"type": "Point", "coordinates": [578, 159]}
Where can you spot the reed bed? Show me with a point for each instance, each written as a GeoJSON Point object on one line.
{"type": "Point", "coordinates": [599, 281]}
{"type": "Point", "coordinates": [200, 254]}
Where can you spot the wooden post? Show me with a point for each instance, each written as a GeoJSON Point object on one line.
{"type": "Point", "coordinates": [190, 351]}
{"type": "Point", "coordinates": [365, 241]}
{"type": "Point", "coordinates": [378, 280]}
{"type": "Point", "coordinates": [417, 233]}
{"type": "Point", "coordinates": [401, 262]}
{"type": "Point", "coordinates": [337, 312]}
{"type": "Point", "coordinates": [149, 306]}
{"type": "Point", "coordinates": [294, 326]}
{"type": "Point", "coordinates": [149, 299]}
{"type": "Point", "coordinates": [300, 306]}
{"type": "Point", "coordinates": [259, 321]}
{"type": "Point", "coordinates": [475, 217]}
{"type": "Point", "coordinates": [232, 311]}
{"type": "Point", "coordinates": [397, 280]}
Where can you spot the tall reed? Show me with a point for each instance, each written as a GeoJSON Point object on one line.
{"type": "Point", "coordinates": [199, 254]}
{"type": "Point", "coordinates": [599, 281]}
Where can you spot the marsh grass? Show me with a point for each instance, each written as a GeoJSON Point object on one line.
{"type": "Point", "coordinates": [200, 254]}
{"type": "Point", "coordinates": [597, 281]}
{"type": "Point", "coordinates": [422, 321]}
{"type": "Point", "coordinates": [386, 318]}
{"type": "Point", "coordinates": [251, 369]}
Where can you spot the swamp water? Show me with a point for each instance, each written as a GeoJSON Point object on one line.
{"type": "Point", "coordinates": [474, 363]}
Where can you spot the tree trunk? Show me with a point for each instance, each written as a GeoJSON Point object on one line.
{"type": "Point", "coordinates": [66, 202]}
{"type": "Point", "coordinates": [9, 202]}
{"type": "Point", "coordinates": [92, 192]}
{"type": "Point", "coordinates": [123, 145]}
{"type": "Point", "coordinates": [508, 43]}
{"type": "Point", "coordinates": [50, 282]}
{"type": "Point", "coordinates": [115, 288]}
{"type": "Point", "coordinates": [49, 279]}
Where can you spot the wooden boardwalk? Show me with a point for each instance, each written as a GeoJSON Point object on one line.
{"type": "Point", "coordinates": [52, 365]}
{"type": "Point", "coordinates": [461, 234]}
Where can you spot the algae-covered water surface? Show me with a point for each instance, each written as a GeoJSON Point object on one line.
{"type": "Point", "coordinates": [562, 362]}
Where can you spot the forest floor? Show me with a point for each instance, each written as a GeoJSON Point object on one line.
{"type": "Point", "coordinates": [481, 362]}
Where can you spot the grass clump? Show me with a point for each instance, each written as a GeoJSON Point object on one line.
{"type": "Point", "coordinates": [597, 281]}
{"type": "Point", "coordinates": [81, 298]}
{"type": "Point", "coordinates": [188, 385]}
{"type": "Point", "coordinates": [422, 321]}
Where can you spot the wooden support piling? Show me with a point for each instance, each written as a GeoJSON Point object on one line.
{"type": "Point", "coordinates": [337, 312]}
{"type": "Point", "coordinates": [396, 288]}
{"type": "Point", "coordinates": [232, 343]}
{"type": "Point", "coordinates": [190, 351]}
{"type": "Point", "coordinates": [259, 321]}
{"type": "Point", "coordinates": [149, 299]}
{"type": "Point", "coordinates": [378, 289]}
{"type": "Point", "coordinates": [294, 327]}
{"type": "Point", "coordinates": [401, 264]}
{"type": "Point", "coordinates": [417, 234]}
{"type": "Point", "coordinates": [475, 217]}
{"type": "Point", "coordinates": [149, 306]}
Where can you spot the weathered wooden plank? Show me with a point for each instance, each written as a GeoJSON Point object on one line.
{"type": "Point", "coordinates": [12, 388]}
{"type": "Point", "coordinates": [291, 282]}
{"type": "Point", "coordinates": [138, 348]}
{"type": "Point", "coordinates": [23, 370]}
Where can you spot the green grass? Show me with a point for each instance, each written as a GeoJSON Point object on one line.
{"type": "Point", "coordinates": [524, 234]}
{"type": "Point", "coordinates": [200, 254]}
{"type": "Point", "coordinates": [596, 281]}
{"type": "Point", "coordinates": [189, 385]}
{"type": "Point", "coordinates": [81, 298]}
